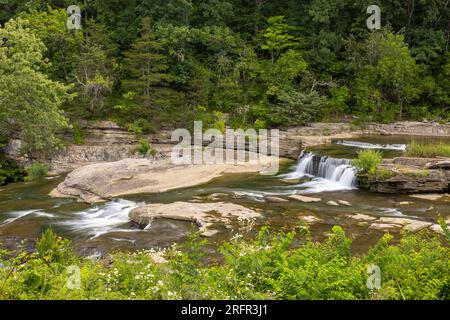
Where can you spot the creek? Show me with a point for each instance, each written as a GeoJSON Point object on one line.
{"type": "Point", "coordinates": [322, 171]}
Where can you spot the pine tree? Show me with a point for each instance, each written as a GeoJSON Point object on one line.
{"type": "Point", "coordinates": [147, 68]}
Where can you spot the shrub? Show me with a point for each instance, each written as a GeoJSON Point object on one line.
{"type": "Point", "coordinates": [10, 171]}
{"type": "Point", "coordinates": [37, 170]}
{"type": "Point", "coordinates": [428, 150]}
{"type": "Point", "coordinates": [141, 126]}
{"type": "Point", "coordinates": [272, 266]}
{"type": "Point", "coordinates": [78, 135]}
{"type": "Point", "coordinates": [145, 148]}
{"type": "Point", "coordinates": [367, 161]}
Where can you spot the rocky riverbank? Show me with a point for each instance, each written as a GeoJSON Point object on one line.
{"type": "Point", "coordinates": [411, 175]}
{"type": "Point", "coordinates": [105, 141]}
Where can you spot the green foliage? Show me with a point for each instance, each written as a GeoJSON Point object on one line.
{"type": "Point", "coordinates": [406, 270]}
{"type": "Point", "coordinates": [233, 55]}
{"type": "Point", "coordinates": [445, 229]}
{"type": "Point", "coordinates": [145, 147]}
{"type": "Point", "coordinates": [290, 108]}
{"type": "Point", "coordinates": [387, 75]}
{"type": "Point", "coordinates": [10, 171]}
{"type": "Point", "coordinates": [367, 161]}
{"type": "Point", "coordinates": [61, 43]}
{"type": "Point", "coordinates": [277, 38]}
{"type": "Point", "coordinates": [78, 135]}
{"type": "Point", "coordinates": [141, 126]}
{"type": "Point", "coordinates": [268, 267]}
{"type": "Point", "coordinates": [30, 103]}
{"type": "Point", "coordinates": [37, 171]}
{"type": "Point", "coordinates": [428, 150]}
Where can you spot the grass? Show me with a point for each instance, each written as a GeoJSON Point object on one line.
{"type": "Point", "coordinates": [428, 150]}
{"type": "Point", "coordinates": [36, 171]}
{"type": "Point", "coordinates": [268, 267]}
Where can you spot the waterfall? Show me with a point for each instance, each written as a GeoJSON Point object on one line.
{"type": "Point", "coordinates": [329, 174]}
{"type": "Point", "coordinates": [366, 145]}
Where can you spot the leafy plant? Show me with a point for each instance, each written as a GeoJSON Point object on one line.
{"type": "Point", "coordinates": [10, 171]}
{"type": "Point", "coordinates": [36, 171]}
{"type": "Point", "coordinates": [272, 266]}
{"type": "Point", "coordinates": [78, 135]}
{"type": "Point", "coordinates": [145, 148]}
{"type": "Point", "coordinates": [367, 161]}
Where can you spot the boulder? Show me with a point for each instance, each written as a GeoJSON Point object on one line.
{"type": "Point", "coordinates": [204, 215]}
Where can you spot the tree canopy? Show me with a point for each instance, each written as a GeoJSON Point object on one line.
{"type": "Point", "coordinates": [153, 63]}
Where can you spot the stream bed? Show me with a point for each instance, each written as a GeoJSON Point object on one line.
{"type": "Point", "coordinates": [323, 171]}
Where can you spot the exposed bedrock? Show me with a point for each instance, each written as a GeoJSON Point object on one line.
{"type": "Point", "coordinates": [205, 215]}
{"type": "Point", "coordinates": [411, 175]}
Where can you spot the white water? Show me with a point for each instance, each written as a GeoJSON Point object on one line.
{"type": "Point", "coordinates": [100, 220]}
{"type": "Point", "coordinates": [366, 145]}
{"type": "Point", "coordinates": [329, 174]}
{"type": "Point", "coordinates": [17, 215]}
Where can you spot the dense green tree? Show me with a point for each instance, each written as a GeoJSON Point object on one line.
{"type": "Point", "coordinates": [61, 43]}
{"type": "Point", "coordinates": [30, 103]}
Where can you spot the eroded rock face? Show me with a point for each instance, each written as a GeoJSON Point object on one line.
{"type": "Point", "coordinates": [411, 128]}
{"type": "Point", "coordinates": [204, 215]}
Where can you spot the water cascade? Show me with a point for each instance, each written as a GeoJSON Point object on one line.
{"type": "Point", "coordinates": [329, 174]}
{"type": "Point", "coordinates": [366, 145]}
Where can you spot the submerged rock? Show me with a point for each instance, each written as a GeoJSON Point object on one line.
{"type": "Point", "coordinates": [431, 197]}
{"type": "Point", "coordinates": [361, 217]}
{"type": "Point", "coordinates": [304, 198]}
{"type": "Point", "coordinates": [311, 219]}
{"type": "Point", "coordinates": [408, 224]}
{"type": "Point", "coordinates": [345, 203]}
{"type": "Point", "coordinates": [276, 200]}
{"type": "Point", "coordinates": [204, 215]}
{"type": "Point", "coordinates": [333, 203]}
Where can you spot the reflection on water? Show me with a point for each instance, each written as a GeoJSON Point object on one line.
{"type": "Point", "coordinates": [26, 209]}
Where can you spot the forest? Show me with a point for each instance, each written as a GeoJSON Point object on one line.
{"type": "Point", "coordinates": [92, 205]}
{"type": "Point", "coordinates": [152, 64]}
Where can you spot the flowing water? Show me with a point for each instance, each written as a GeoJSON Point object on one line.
{"type": "Point", "coordinates": [325, 172]}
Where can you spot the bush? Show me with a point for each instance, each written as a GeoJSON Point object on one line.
{"type": "Point", "coordinates": [145, 147]}
{"type": "Point", "coordinates": [78, 135]}
{"type": "Point", "coordinates": [269, 267]}
{"type": "Point", "coordinates": [37, 170]}
{"type": "Point", "coordinates": [367, 161]}
{"type": "Point", "coordinates": [428, 150]}
{"type": "Point", "coordinates": [10, 171]}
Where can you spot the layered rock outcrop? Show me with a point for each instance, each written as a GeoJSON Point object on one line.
{"type": "Point", "coordinates": [411, 175]}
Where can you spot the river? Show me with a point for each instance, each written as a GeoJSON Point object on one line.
{"type": "Point", "coordinates": [323, 171]}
